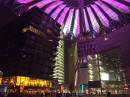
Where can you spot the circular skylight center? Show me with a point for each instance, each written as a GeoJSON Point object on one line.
{"type": "Point", "coordinates": [95, 18]}
{"type": "Point", "coordinates": [75, 3]}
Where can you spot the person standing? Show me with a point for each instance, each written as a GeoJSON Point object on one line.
{"type": "Point", "coordinates": [108, 94]}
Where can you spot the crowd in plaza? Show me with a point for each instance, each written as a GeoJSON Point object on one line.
{"type": "Point", "coordinates": [37, 95]}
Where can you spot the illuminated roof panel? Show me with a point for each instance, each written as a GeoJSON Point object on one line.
{"type": "Point", "coordinates": [86, 21]}
{"type": "Point", "coordinates": [127, 0]}
{"type": "Point", "coordinates": [121, 7]}
{"type": "Point", "coordinates": [109, 11]}
{"type": "Point", "coordinates": [24, 1]}
{"type": "Point", "coordinates": [52, 6]}
{"type": "Point", "coordinates": [68, 22]}
{"type": "Point", "coordinates": [101, 16]}
{"type": "Point", "coordinates": [62, 16]}
{"type": "Point", "coordinates": [93, 20]}
{"type": "Point", "coordinates": [100, 13]}
{"type": "Point", "coordinates": [41, 3]}
{"type": "Point", "coordinates": [57, 11]}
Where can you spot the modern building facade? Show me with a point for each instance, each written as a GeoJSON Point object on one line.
{"type": "Point", "coordinates": [91, 27]}
{"type": "Point", "coordinates": [28, 50]}
{"type": "Point", "coordinates": [58, 71]}
{"type": "Point", "coordinates": [105, 44]}
{"type": "Point", "coordinates": [107, 70]}
{"type": "Point", "coordinates": [70, 64]}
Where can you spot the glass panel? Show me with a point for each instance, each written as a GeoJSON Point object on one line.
{"type": "Point", "coordinates": [68, 22]}
{"type": "Point", "coordinates": [86, 21]}
{"type": "Point", "coordinates": [24, 1]}
{"type": "Point", "coordinates": [110, 13]}
{"type": "Point", "coordinates": [41, 4]}
{"type": "Point", "coordinates": [52, 6]}
{"type": "Point", "coordinates": [75, 22]}
{"type": "Point", "coordinates": [62, 16]}
{"type": "Point", "coordinates": [57, 11]}
{"type": "Point", "coordinates": [93, 20]}
{"type": "Point", "coordinates": [119, 6]}
{"type": "Point", "coordinates": [101, 16]}
{"type": "Point", "coordinates": [127, 0]}
{"type": "Point", "coordinates": [78, 25]}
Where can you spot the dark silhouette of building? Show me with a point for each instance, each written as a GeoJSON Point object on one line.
{"type": "Point", "coordinates": [28, 45]}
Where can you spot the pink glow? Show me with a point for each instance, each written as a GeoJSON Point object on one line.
{"type": "Point", "coordinates": [41, 4]}
{"type": "Point", "coordinates": [62, 16]}
{"type": "Point", "coordinates": [110, 12]}
{"type": "Point", "coordinates": [52, 6]}
{"type": "Point", "coordinates": [68, 22]}
{"type": "Point", "coordinates": [101, 16]}
{"type": "Point", "coordinates": [127, 0]}
{"type": "Point", "coordinates": [121, 7]}
{"type": "Point", "coordinates": [93, 20]}
{"type": "Point", "coordinates": [86, 21]}
{"type": "Point", "coordinates": [75, 22]}
{"type": "Point", "coordinates": [57, 11]}
{"type": "Point", "coordinates": [78, 26]}
{"type": "Point", "coordinates": [24, 1]}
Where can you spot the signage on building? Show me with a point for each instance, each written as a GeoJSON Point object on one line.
{"type": "Point", "coordinates": [34, 30]}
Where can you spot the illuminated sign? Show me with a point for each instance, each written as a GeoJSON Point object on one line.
{"type": "Point", "coordinates": [28, 81]}
{"type": "Point", "coordinates": [104, 76]}
{"type": "Point", "coordinates": [34, 30]}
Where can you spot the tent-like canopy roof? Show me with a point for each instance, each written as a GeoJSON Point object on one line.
{"type": "Point", "coordinates": [97, 14]}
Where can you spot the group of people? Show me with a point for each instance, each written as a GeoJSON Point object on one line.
{"type": "Point", "coordinates": [38, 94]}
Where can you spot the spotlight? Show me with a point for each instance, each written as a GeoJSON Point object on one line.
{"type": "Point", "coordinates": [105, 38]}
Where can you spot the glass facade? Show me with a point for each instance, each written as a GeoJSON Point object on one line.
{"type": "Point", "coordinates": [58, 71]}
{"type": "Point", "coordinates": [107, 68]}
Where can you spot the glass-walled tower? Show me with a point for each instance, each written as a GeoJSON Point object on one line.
{"type": "Point", "coordinates": [58, 72]}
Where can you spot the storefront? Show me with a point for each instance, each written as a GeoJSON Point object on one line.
{"type": "Point", "coordinates": [27, 85]}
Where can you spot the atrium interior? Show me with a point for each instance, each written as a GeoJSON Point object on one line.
{"type": "Point", "coordinates": [65, 47]}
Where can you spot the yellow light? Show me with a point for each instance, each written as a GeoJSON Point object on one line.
{"type": "Point", "coordinates": [0, 81]}
{"type": "Point", "coordinates": [34, 30]}
{"type": "Point", "coordinates": [27, 81]}
{"type": "Point", "coordinates": [25, 29]}
{"type": "Point", "coordinates": [104, 76]}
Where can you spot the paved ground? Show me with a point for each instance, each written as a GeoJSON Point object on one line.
{"type": "Point", "coordinates": [89, 96]}
{"type": "Point", "coordinates": [104, 96]}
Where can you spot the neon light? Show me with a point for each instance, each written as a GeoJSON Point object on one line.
{"type": "Point", "coordinates": [82, 88]}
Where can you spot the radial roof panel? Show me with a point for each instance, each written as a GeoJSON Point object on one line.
{"type": "Point", "coordinates": [96, 13]}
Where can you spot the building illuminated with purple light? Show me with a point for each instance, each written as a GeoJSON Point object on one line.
{"type": "Point", "coordinates": [97, 14]}
{"type": "Point", "coordinates": [95, 26]}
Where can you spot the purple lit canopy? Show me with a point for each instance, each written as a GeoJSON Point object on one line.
{"type": "Point", "coordinates": [96, 14]}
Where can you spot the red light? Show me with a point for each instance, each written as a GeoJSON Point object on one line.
{"type": "Point", "coordinates": [126, 88]}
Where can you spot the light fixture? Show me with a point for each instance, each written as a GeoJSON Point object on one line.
{"type": "Point", "coordinates": [104, 76]}
{"type": "Point", "coordinates": [105, 38]}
